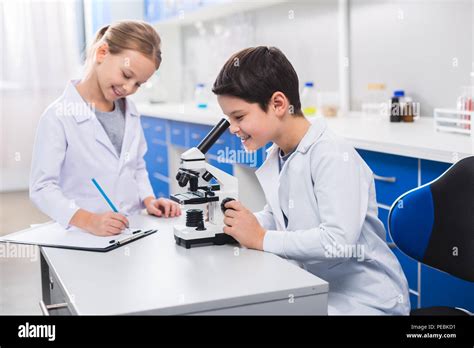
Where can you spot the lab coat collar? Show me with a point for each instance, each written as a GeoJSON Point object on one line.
{"type": "Point", "coordinates": [318, 126]}
{"type": "Point", "coordinates": [269, 174]}
{"type": "Point", "coordinates": [80, 110]}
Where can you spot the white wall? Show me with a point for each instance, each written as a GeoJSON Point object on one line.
{"type": "Point", "coordinates": [424, 47]}
{"type": "Point", "coordinates": [305, 31]}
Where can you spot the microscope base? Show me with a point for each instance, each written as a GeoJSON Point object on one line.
{"type": "Point", "coordinates": [218, 239]}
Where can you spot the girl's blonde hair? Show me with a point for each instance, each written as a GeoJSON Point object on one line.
{"type": "Point", "coordinates": [128, 35]}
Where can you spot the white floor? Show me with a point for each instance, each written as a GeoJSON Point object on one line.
{"type": "Point", "coordinates": [20, 281]}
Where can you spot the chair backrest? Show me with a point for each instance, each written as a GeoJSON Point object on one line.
{"type": "Point", "coordinates": [434, 223]}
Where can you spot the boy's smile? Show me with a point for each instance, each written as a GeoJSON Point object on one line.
{"type": "Point", "coordinates": [247, 121]}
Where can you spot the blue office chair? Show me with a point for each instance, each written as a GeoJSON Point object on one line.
{"type": "Point", "coordinates": [434, 224]}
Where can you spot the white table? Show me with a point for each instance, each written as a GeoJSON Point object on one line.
{"type": "Point", "coordinates": [153, 275]}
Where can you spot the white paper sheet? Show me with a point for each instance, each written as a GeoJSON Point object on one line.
{"type": "Point", "coordinates": [53, 234]}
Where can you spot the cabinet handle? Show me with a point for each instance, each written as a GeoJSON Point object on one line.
{"type": "Point", "coordinates": [158, 128]}
{"type": "Point", "coordinates": [385, 178]}
{"type": "Point", "coordinates": [176, 131]}
{"type": "Point", "coordinates": [46, 308]}
{"type": "Point", "coordinates": [219, 142]}
{"type": "Point", "coordinates": [195, 136]}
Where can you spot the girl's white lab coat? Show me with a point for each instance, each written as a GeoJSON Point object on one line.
{"type": "Point", "coordinates": [328, 194]}
{"type": "Point", "coordinates": [71, 148]}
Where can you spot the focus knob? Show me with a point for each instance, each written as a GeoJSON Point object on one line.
{"type": "Point", "coordinates": [224, 202]}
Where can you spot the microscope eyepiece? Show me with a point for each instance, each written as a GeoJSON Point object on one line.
{"type": "Point", "coordinates": [213, 135]}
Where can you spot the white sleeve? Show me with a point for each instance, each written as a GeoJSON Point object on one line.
{"type": "Point", "coordinates": [48, 156]}
{"type": "Point", "coordinates": [265, 218]}
{"type": "Point", "coordinates": [341, 189]}
{"type": "Point", "coordinates": [141, 175]}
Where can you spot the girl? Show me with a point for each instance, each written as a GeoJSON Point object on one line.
{"type": "Point", "coordinates": [93, 131]}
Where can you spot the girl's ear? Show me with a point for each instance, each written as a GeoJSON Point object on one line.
{"type": "Point", "coordinates": [279, 103]}
{"type": "Point", "coordinates": [101, 52]}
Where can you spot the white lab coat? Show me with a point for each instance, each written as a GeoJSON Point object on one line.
{"type": "Point", "coordinates": [328, 194]}
{"type": "Point", "coordinates": [71, 148]}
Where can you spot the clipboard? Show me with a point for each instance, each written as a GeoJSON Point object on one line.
{"type": "Point", "coordinates": [53, 235]}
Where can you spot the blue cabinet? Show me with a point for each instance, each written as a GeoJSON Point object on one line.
{"type": "Point", "coordinates": [179, 133]}
{"type": "Point", "coordinates": [226, 167]}
{"type": "Point", "coordinates": [223, 146]}
{"type": "Point", "coordinates": [394, 175]}
{"type": "Point", "coordinates": [431, 170]}
{"type": "Point", "coordinates": [155, 130]}
{"type": "Point", "coordinates": [157, 159]}
{"type": "Point", "coordinates": [160, 185]}
{"type": "Point", "coordinates": [197, 132]}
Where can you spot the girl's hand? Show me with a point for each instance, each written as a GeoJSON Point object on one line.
{"type": "Point", "coordinates": [106, 224]}
{"type": "Point", "coordinates": [242, 224]}
{"type": "Point", "coordinates": [162, 207]}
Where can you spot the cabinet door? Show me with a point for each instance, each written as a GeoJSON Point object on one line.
{"type": "Point", "coordinates": [394, 175]}
{"type": "Point", "coordinates": [157, 159]}
{"type": "Point", "coordinates": [224, 145]}
{"type": "Point", "coordinates": [226, 167]}
{"type": "Point", "coordinates": [155, 130]}
{"type": "Point", "coordinates": [197, 132]}
{"type": "Point", "coordinates": [179, 133]}
{"type": "Point", "coordinates": [431, 170]}
{"type": "Point", "coordinates": [160, 185]}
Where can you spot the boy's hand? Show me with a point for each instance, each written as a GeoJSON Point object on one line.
{"type": "Point", "coordinates": [243, 226]}
{"type": "Point", "coordinates": [162, 207]}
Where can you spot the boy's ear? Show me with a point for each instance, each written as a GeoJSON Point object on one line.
{"type": "Point", "coordinates": [279, 103]}
{"type": "Point", "coordinates": [101, 52]}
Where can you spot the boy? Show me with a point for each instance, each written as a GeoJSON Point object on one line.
{"type": "Point", "coordinates": [321, 210]}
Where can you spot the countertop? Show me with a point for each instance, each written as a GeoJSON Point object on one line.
{"type": "Point", "coordinates": [418, 139]}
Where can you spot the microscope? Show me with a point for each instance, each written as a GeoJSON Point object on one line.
{"type": "Point", "coordinates": [196, 173]}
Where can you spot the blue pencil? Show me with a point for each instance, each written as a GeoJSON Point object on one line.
{"type": "Point", "coordinates": [104, 195]}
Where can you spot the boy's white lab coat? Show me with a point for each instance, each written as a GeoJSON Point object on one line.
{"type": "Point", "coordinates": [71, 148]}
{"type": "Point", "coordinates": [328, 194]}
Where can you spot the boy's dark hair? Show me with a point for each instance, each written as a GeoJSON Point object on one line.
{"type": "Point", "coordinates": [255, 73]}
